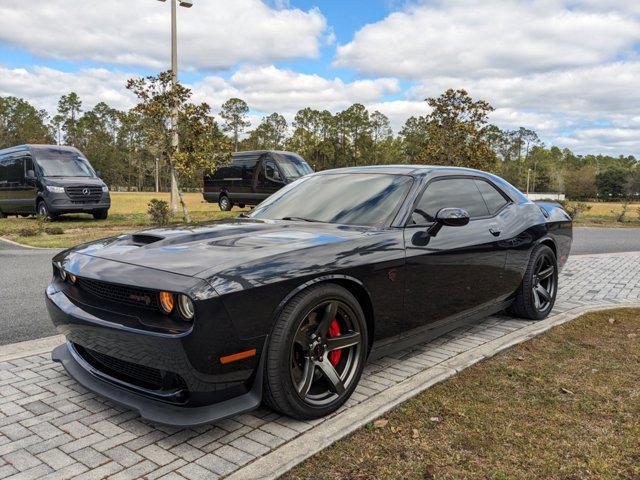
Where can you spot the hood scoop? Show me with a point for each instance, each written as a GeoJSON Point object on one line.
{"type": "Point", "coordinates": [145, 239]}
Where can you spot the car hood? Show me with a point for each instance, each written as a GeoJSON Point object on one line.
{"type": "Point", "coordinates": [192, 250]}
{"type": "Point", "coordinates": [74, 181]}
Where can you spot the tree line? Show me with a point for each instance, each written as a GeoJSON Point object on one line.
{"type": "Point", "coordinates": [132, 149]}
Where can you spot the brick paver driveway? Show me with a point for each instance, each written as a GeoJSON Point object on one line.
{"type": "Point", "coordinates": [51, 426]}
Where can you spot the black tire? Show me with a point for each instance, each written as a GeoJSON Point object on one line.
{"type": "Point", "coordinates": [101, 214]}
{"type": "Point", "coordinates": [3, 215]}
{"type": "Point", "coordinates": [43, 209]}
{"type": "Point", "coordinates": [241, 205]}
{"type": "Point", "coordinates": [224, 202]}
{"type": "Point", "coordinates": [537, 292]}
{"type": "Point", "coordinates": [323, 395]}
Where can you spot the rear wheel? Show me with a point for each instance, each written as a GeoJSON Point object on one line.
{"type": "Point", "coordinates": [537, 293]}
{"type": "Point", "coordinates": [316, 353]}
{"type": "Point", "coordinates": [224, 203]}
{"type": "Point", "coordinates": [2, 215]}
{"type": "Point", "coordinates": [101, 214]}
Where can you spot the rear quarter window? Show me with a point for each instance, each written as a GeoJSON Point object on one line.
{"type": "Point", "coordinates": [492, 197]}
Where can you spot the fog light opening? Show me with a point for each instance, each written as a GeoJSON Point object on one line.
{"type": "Point", "coordinates": [72, 278]}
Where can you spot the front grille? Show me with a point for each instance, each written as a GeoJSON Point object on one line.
{"type": "Point", "coordinates": [119, 293]}
{"type": "Point", "coordinates": [141, 375]}
{"type": "Point", "coordinates": [84, 194]}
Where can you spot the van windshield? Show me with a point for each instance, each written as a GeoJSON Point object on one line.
{"type": "Point", "coordinates": [294, 166]}
{"type": "Point", "coordinates": [59, 163]}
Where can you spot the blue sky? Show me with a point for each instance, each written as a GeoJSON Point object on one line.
{"type": "Point", "coordinates": [565, 68]}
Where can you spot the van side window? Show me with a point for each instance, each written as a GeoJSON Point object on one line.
{"type": "Point", "coordinates": [4, 172]}
{"type": "Point", "coordinates": [272, 171]}
{"type": "Point", "coordinates": [28, 165]}
{"type": "Point", "coordinates": [15, 171]}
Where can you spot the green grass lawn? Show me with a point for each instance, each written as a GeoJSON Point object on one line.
{"type": "Point", "coordinates": [127, 213]}
{"type": "Point", "coordinates": [564, 405]}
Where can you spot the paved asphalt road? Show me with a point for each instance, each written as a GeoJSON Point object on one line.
{"type": "Point", "coordinates": [24, 274]}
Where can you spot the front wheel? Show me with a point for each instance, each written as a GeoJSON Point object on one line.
{"type": "Point", "coordinates": [537, 293]}
{"type": "Point", "coordinates": [316, 353]}
{"type": "Point", "coordinates": [101, 214]}
{"type": "Point", "coordinates": [225, 203]}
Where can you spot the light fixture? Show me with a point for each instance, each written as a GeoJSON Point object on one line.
{"type": "Point", "coordinates": [186, 307]}
{"type": "Point", "coordinates": [167, 302]}
{"type": "Point", "coordinates": [72, 278]}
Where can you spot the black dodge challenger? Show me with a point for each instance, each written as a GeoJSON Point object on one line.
{"type": "Point", "coordinates": [192, 324]}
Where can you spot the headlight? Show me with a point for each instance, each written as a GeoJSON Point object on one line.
{"type": "Point", "coordinates": [105, 189]}
{"type": "Point", "coordinates": [167, 302]}
{"type": "Point", "coordinates": [53, 189]}
{"type": "Point", "coordinates": [186, 307]}
{"type": "Point", "coordinates": [72, 278]}
{"type": "Point", "coordinates": [63, 274]}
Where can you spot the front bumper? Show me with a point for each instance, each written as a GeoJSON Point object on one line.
{"type": "Point", "coordinates": [198, 388]}
{"type": "Point", "coordinates": [61, 203]}
{"type": "Point", "coordinates": [155, 411]}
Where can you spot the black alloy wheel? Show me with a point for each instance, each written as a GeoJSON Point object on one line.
{"type": "Point", "coordinates": [325, 353]}
{"type": "Point", "coordinates": [317, 352]}
{"type": "Point", "coordinates": [544, 282]}
{"type": "Point", "coordinates": [101, 214]}
{"type": "Point", "coordinates": [537, 293]}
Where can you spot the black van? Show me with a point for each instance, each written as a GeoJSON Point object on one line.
{"type": "Point", "coordinates": [253, 176]}
{"type": "Point", "coordinates": [50, 180]}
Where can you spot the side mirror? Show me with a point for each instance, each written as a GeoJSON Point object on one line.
{"type": "Point", "coordinates": [450, 217]}
{"type": "Point", "coordinates": [31, 175]}
{"type": "Point", "coordinates": [98, 174]}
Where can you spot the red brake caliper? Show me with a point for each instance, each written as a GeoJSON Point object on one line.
{"type": "Point", "coordinates": [334, 331]}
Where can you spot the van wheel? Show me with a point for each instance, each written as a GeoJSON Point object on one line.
{"type": "Point", "coordinates": [224, 203]}
{"type": "Point", "coordinates": [42, 209]}
{"type": "Point", "coordinates": [241, 205]}
{"type": "Point", "coordinates": [2, 215]}
{"type": "Point", "coordinates": [100, 214]}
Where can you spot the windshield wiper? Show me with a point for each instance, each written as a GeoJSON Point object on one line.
{"type": "Point", "coordinates": [302, 219]}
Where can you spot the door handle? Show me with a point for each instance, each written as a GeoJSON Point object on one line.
{"type": "Point", "coordinates": [495, 231]}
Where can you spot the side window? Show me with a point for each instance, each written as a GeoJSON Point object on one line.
{"type": "Point", "coordinates": [28, 165]}
{"type": "Point", "coordinates": [15, 172]}
{"type": "Point", "coordinates": [448, 193]}
{"type": "Point", "coordinates": [492, 197]}
{"type": "Point", "coordinates": [4, 172]}
{"type": "Point", "coordinates": [272, 171]}
{"type": "Point", "coordinates": [248, 168]}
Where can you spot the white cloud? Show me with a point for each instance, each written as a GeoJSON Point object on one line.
{"type": "Point", "coordinates": [43, 86]}
{"type": "Point", "coordinates": [479, 38]}
{"type": "Point", "coordinates": [266, 89]}
{"type": "Point", "coordinates": [270, 89]}
{"type": "Point", "coordinates": [213, 35]}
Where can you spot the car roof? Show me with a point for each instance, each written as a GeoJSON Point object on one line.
{"type": "Point", "coordinates": [260, 152]}
{"type": "Point", "coordinates": [36, 147]}
{"type": "Point", "coordinates": [407, 170]}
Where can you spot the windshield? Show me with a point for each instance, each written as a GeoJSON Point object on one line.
{"type": "Point", "coordinates": [60, 163]}
{"type": "Point", "coordinates": [294, 166]}
{"type": "Point", "coordinates": [344, 198]}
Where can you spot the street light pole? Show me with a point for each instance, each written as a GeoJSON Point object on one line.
{"type": "Point", "coordinates": [174, 114]}
{"type": "Point", "coordinates": [174, 81]}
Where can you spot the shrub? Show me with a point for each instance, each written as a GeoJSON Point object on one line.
{"type": "Point", "coordinates": [575, 209]}
{"type": "Point", "coordinates": [28, 232]}
{"type": "Point", "coordinates": [54, 230]}
{"type": "Point", "coordinates": [159, 212]}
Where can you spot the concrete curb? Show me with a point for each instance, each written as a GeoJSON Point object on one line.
{"type": "Point", "coordinates": [19, 245]}
{"type": "Point", "coordinates": [14, 351]}
{"type": "Point", "coordinates": [284, 458]}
